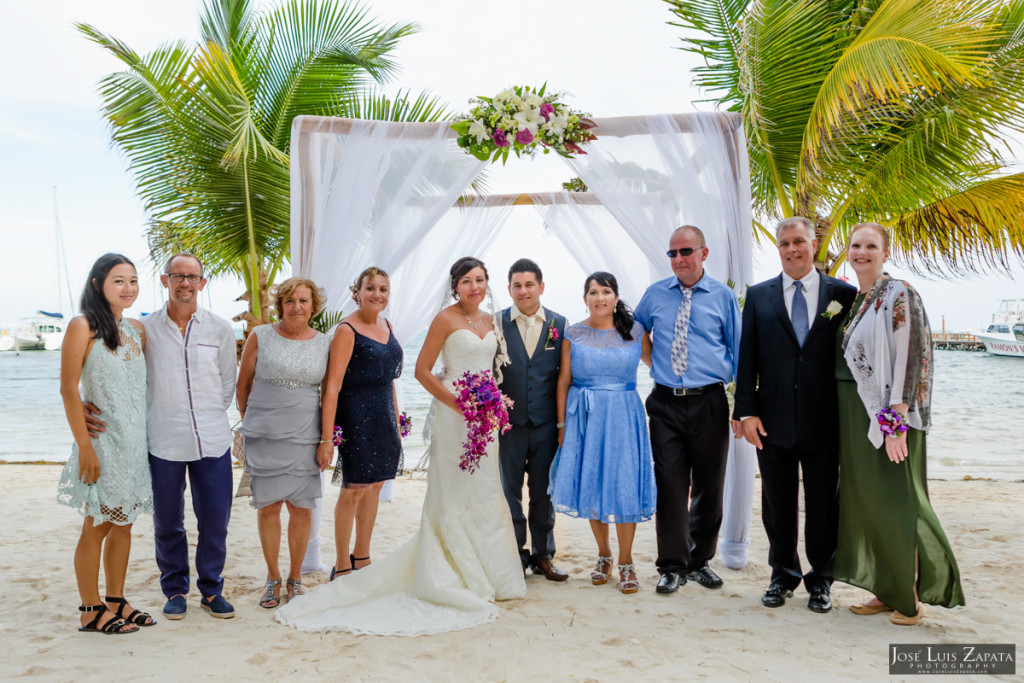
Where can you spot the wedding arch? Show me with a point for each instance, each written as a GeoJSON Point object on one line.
{"type": "Point", "coordinates": [397, 195]}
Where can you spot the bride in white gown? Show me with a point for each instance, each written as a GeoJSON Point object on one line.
{"type": "Point", "coordinates": [464, 555]}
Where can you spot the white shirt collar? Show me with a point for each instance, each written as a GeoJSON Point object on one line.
{"type": "Point", "coordinates": [541, 313]}
{"type": "Point", "coordinates": [810, 280]}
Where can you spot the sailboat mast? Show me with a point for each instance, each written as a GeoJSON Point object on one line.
{"type": "Point", "coordinates": [62, 259]}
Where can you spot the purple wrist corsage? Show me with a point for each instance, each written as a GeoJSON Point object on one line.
{"type": "Point", "coordinates": [891, 423]}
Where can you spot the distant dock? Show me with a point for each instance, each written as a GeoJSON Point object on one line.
{"type": "Point", "coordinates": [953, 341]}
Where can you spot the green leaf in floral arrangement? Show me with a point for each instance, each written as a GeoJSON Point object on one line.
{"type": "Point", "coordinates": [461, 127]}
{"type": "Point", "coordinates": [488, 100]}
{"type": "Point", "coordinates": [542, 89]}
{"type": "Point", "coordinates": [482, 154]}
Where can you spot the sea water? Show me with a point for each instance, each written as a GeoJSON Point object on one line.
{"type": "Point", "coordinates": [977, 412]}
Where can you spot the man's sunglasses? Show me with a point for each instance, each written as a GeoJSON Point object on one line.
{"type": "Point", "coordinates": [685, 251]}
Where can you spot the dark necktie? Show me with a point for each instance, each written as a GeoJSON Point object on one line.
{"type": "Point", "coordinates": [799, 314]}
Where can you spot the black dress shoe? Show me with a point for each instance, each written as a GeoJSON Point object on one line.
{"type": "Point", "coordinates": [819, 601]}
{"type": "Point", "coordinates": [670, 582]}
{"type": "Point", "coordinates": [546, 567]}
{"type": "Point", "coordinates": [705, 577]}
{"type": "Point", "coordinates": [776, 595]}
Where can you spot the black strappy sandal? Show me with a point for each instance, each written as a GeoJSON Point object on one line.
{"type": "Point", "coordinates": [353, 559]}
{"type": "Point", "coordinates": [137, 617]}
{"type": "Point", "coordinates": [335, 572]}
{"type": "Point", "coordinates": [114, 627]}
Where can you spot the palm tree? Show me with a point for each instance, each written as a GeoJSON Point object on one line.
{"type": "Point", "coordinates": [892, 111]}
{"type": "Point", "coordinates": [206, 128]}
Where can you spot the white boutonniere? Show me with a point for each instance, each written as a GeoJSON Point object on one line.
{"type": "Point", "coordinates": [833, 309]}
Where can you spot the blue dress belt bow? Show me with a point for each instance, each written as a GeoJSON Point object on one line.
{"type": "Point", "coordinates": [584, 396]}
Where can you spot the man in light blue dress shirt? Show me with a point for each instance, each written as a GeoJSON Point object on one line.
{"type": "Point", "coordinates": [688, 410]}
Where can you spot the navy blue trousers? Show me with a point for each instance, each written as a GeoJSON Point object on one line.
{"type": "Point", "coordinates": [211, 483]}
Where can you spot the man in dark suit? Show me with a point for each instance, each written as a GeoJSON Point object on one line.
{"type": "Point", "coordinates": [786, 406]}
{"type": "Point", "coordinates": [534, 340]}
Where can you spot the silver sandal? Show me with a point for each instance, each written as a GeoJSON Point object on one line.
{"type": "Point", "coordinates": [599, 576]}
{"type": "Point", "coordinates": [269, 600]}
{"type": "Point", "coordinates": [627, 578]}
{"type": "Point", "coordinates": [294, 586]}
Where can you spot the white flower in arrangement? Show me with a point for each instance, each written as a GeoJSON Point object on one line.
{"type": "Point", "coordinates": [833, 309]}
{"type": "Point", "coordinates": [506, 94]}
{"type": "Point", "coordinates": [507, 123]}
{"type": "Point", "coordinates": [478, 129]}
{"type": "Point", "coordinates": [529, 119]}
{"type": "Point", "coordinates": [556, 124]}
{"type": "Point", "coordinates": [533, 100]}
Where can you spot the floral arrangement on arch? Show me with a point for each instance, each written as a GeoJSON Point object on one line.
{"type": "Point", "coordinates": [521, 120]}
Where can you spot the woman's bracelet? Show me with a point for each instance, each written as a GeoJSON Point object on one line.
{"type": "Point", "coordinates": [327, 441]}
{"type": "Point", "coordinates": [892, 423]}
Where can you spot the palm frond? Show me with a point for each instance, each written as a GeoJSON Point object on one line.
{"type": "Point", "coordinates": [977, 229]}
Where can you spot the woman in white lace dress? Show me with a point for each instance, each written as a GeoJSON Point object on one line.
{"type": "Point", "coordinates": [106, 479]}
{"type": "Point", "coordinates": [464, 555]}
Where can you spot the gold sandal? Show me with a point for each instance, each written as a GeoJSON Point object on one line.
{"type": "Point", "coordinates": [627, 579]}
{"type": "Point", "coordinates": [599, 576]}
{"type": "Point", "coordinates": [901, 619]}
{"type": "Point", "coordinates": [866, 610]}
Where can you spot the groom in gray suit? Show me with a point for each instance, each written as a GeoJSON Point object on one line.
{"type": "Point", "coordinates": [534, 339]}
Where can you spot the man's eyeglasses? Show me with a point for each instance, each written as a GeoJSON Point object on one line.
{"type": "Point", "coordinates": [685, 251]}
{"type": "Point", "coordinates": [178, 278]}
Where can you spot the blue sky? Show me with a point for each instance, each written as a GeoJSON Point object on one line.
{"type": "Point", "coordinates": [612, 61]}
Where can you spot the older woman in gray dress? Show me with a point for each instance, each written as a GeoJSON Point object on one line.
{"type": "Point", "coordinates": [283, 365]}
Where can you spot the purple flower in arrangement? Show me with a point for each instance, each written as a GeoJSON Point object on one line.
{"type": "Point", "coordinates": [501, 138]}
{"type": "Point", "coordinates": [546, 110]}
{"type": "Point", "coordinates": [524, 137]}
{"type": "Point", "coordinates": [485, 410]}
{"type": "Point", "coordinates": [404, 425]}
{"type": "Point", "coordinates": [338, 440]}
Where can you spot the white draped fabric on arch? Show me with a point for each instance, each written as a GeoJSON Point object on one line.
{"type": "Point", "coordinates": [388, 194]}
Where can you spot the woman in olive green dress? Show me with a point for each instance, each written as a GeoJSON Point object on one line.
{"type": "Point", "coordinates": [890, 541]}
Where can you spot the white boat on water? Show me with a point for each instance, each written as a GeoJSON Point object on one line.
{"type": "Point", "coordinates": [44, 332]}
{"type": "Point", "coordinates": [1005, 336]}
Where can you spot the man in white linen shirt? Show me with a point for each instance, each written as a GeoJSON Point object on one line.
{"type": "Point", "coordinates": [191, 364]}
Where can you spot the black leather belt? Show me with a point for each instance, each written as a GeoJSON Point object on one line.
{"type": "Point", "coordinates": [694, 391]}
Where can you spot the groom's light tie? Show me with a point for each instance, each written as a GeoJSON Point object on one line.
{"type": "Point", "coordinates": [531, 335]}
{"type": "Point", "coordinates": [678, 357]}
{"type": "Point", "coordinates": [799, 313]}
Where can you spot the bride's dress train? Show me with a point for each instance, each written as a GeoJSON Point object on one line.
{"type": "Point", "coordinates": [463, 557]}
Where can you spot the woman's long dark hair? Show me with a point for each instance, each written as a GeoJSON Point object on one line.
{"type": "Point", "coordinates": [460, 268]}
{"type": "Point", "coordinates": [95, 307]}
{"type": "Point", "coordinates": [623, 314]}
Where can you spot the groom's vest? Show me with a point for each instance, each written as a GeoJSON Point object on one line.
{"type": "Point", "coordinates": [531, 382]}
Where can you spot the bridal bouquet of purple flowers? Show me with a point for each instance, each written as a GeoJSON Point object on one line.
{"type": "Point", "coordinates": [485, 409]}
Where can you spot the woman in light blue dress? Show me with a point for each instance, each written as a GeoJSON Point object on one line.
{"type": "Point", "coordinates": [106, 479]}
{"type": "Point", "coordinates": [603, 470]}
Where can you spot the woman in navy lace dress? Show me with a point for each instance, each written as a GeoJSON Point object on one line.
{"type": "Point", "coordinates": [359, 396]}
{"type": "Point", "coordinates": [603, 470]}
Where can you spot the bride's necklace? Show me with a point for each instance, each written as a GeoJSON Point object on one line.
{"type": "Point", "coordinates": [475, 325]}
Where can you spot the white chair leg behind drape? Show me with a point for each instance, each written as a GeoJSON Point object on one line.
{"type": "Point", "coordinates": [312, 562]}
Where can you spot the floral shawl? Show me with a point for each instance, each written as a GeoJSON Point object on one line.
{"type": "Point", "coordinates": [888, 346]}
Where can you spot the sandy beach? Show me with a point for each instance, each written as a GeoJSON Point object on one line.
{"type": "Point", "coordinates": [569, 631]}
